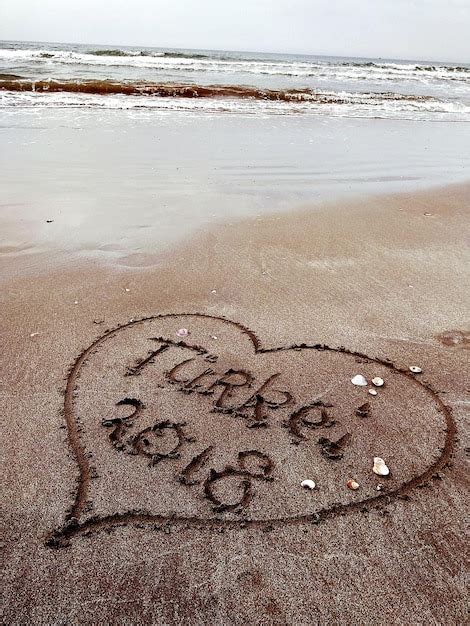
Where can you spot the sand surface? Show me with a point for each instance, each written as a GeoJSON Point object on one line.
{"type": "Point", "coordinates": [137, 491]}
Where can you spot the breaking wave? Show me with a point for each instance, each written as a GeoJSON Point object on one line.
{"type": "Point", "coordinates": [225, 99]}
{"type": "Point", "coordinates": [145, 53]}
{"type": "Point", "coordinates": [175, 90]}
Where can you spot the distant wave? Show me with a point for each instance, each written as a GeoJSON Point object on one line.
{"type": "Point", "coordinates": [176, 90]}
{"type": "Point", "coordinates": [406, 66]}
{"type": "Point", "coordinates": [157, 54]}
{"type": "Point", "coordinates": [233, 63]}
{"type": "Point", "coordinates": [115, 53]}
{"type": "Point", "coordinates": [221, 57]}
{"type": "Point", "coordinates": [200, 55]}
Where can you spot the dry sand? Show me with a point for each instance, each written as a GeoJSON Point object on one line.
{"type": "Point", "coordinates": [387, 279]}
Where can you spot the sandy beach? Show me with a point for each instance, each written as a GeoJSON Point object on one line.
{"type": "Point", "coordinates": [197, 515]}
{"type": "Point", "coordinates": [235, 295]}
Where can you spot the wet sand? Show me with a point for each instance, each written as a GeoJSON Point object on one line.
{"type": "Point", "coordinates": [385, 278]}
{"type": "Point", "coordinates": [89, 184]}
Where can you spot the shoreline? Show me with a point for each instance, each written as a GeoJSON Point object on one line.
{"type": "Point", "coordinates": [414, 200]}
{"type": "Point", "coordinates": [94, 193]}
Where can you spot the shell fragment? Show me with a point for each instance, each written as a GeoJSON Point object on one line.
{"type": "Point", "coordinates": [182, 332]}
{"type": "Point", "coordinates": [380, 468]}
{"type": "Point", "coordinates": [363, 410]}
{"type": "Point", "coordinates": [378, 382]}
{"type": "Point", "coordinates": [308, 484]}
{"type": "Point", "coordinates": [352, 484]}
{"type": "Point", "coordinates": [359, 381]}
{"type": "Point", "coordinates": [415, 369]}
{"type": "Point", "coordinates": [373, 392]}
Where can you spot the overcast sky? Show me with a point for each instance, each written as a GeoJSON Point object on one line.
{"type": "Point", "coordinates": [407, 29]}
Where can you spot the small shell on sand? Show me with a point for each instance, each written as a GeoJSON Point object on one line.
{"type": "Point", "coordinates": [352, 484]}
{"type": "Point", "coordinates": [308, 484]}
{"type": "Point", "coordinates": [359, 381]}
{"type": "Point", "coordinates": [379, 487]}
{"type": "Point", "coordinates": [373, 392]}
{"type": "Point", "coordinates": [415, 369]}
{"type": "Point", "coordinates": [182, 332]}
{"type": "Point", "coordinates": [34, 334]}
{"type": "Point", "coordinates": [380, 468]}
{"type": "Point", "coordinates": [378, 382]}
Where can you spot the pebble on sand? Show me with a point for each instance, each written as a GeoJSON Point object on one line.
{"type": "Point", "coordinates": [373, 392]}
{"type": "Point", "coordinates": [352, 484]}
{"type": "Point", "coordinates": [378, 382]}
{"type": "Point", "coordinates": [359, 381]}
{"type": "Point", "coordinates": [380, 468]}
{"type": "Point", "coordinates": [308, 484]}
{"type": "Point", "coordinates": [182, 332]}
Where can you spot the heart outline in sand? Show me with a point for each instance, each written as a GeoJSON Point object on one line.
{"type": "Point", "coordinates": [73, 526]}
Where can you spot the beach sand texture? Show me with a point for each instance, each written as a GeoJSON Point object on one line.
{"type": "Point", "coordinates": [152, 477]}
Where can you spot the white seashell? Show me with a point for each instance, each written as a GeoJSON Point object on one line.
{"type": "Point", "coordinates": [352, 484]}
{"type": "Point", "coordinates": [379, 487]}
{"type": "Point", "coordinates": [415, 369]}
{"type": "Point", "coordinates": [308, 484]}
{"type": "Point", "coordinates": [34, 334]}
{"type": "Point", "coordinates": [373, 392]}
{"type": "Point", "coordinates": [378, 382]}
{"type": "Point", "coordinates": [359, 381]}
{"type": "Point", "coordinates": [380, 468]}
{"type": "Point", "coordinates": [182, 332]}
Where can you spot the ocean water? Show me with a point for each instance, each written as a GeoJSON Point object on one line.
{"type": "Point", "coordinates": [121, 154]}
{"type": "Point", "coordinates": [69, 75]}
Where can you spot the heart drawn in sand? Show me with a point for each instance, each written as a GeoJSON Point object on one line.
{"type": "Point", "coordinates": [214, 430]}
